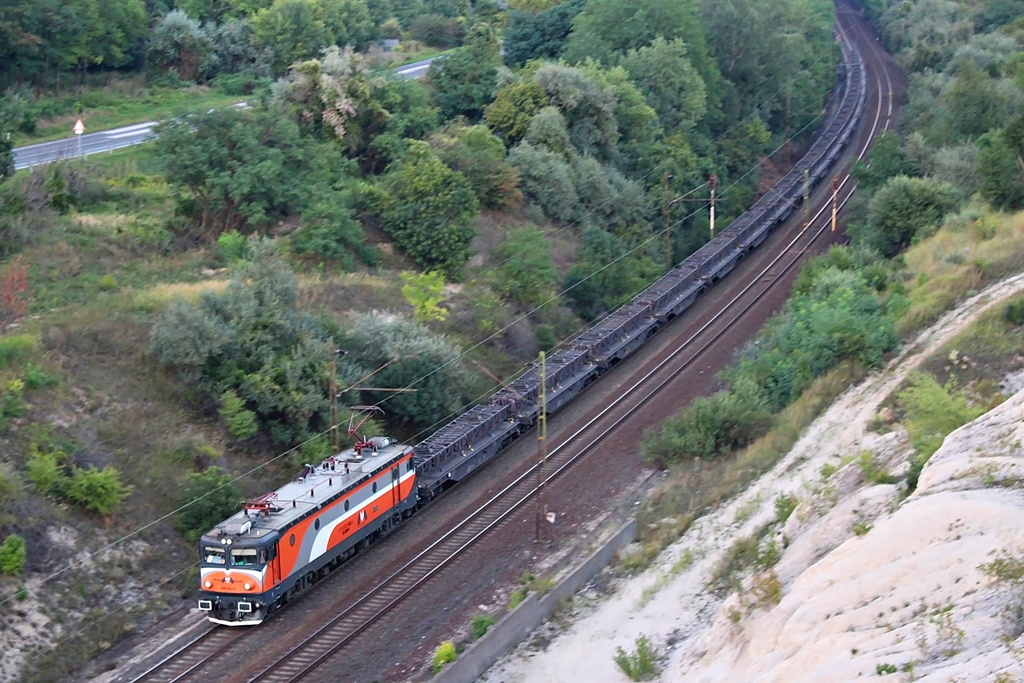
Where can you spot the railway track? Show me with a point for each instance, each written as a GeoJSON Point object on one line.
{"type": "Point", "coordinates": [184, 661]}
{"type": "Point", "coordinates": [309, 658]}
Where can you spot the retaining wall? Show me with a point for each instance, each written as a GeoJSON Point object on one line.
{"type": "Point", "coordinates": [531, 613]}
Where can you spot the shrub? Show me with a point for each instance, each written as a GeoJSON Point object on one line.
{"type": "Point", "coordinates": [1014, 313]}
{"type": "Point", "coordinates": [480, 624]}
{"type": "Point", "coordinates": [46, 469]}
{"type": "Point", "coordinates": [930, 413]}
{"type": "Point", "coordinates": [710, 427]}
{"type": "Point", "coordinates": [207, 498]}
{"type": "Point", "coordinates": [15, 347]}
{"type": "Point", "coordinates": [641, 664]}
{"type": "Point", "coordinates": [96, 489]}
{"type": "Point", "coordinates": [37, 378]}
{"type": "Point", "coordinates": [13, 555]}
{"type": "Point", "coordinates": [241, 422]}
{"type": "Point", "coordinates": [767, 588]}
{"type": "Point", "coordinates": [107, 283]}
{"type": "Point", "coordinates": [784, 506]}
{"type": "Point", "coordinates": [232, 246]}
{"type": "Point", "coordinates": [444, 654]}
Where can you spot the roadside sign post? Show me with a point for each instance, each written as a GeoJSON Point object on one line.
{"type": "Point", "coordinates": [79, 129]}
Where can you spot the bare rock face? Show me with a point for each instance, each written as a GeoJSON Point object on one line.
{"type": "Point", "coordinates": [907, 596]}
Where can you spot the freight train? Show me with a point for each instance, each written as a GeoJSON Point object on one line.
{"type": "Point", "coordinates": [282, 542]}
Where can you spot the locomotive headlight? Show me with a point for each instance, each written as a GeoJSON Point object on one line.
{"type": "Point", "coordinates": [248, 586]}
{"type": "Point", "coordinates": [208, 584]}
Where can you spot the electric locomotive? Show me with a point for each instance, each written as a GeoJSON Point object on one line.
{"type": "Point", "coordinates": [285, 540]}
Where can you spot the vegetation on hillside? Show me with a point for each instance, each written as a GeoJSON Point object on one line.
{"type": "Point", "coordinates": [174, 314]}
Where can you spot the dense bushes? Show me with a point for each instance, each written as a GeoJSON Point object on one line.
{"type": "Point", "coordinates": [53, 473]}
{"type": "Point", "coordinates": [207, 498]}
{"type": "Point", "coordinates": [251, 340]}
{"type": "Point", "coordinates": [13, 555]}
{"type": "Point", "coordinates": [834, 316]}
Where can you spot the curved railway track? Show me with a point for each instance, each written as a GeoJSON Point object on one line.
{"type": "Point", "coordinates": [309, 658]}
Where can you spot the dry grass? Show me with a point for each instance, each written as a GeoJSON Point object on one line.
{"type": "Point", "coordinates": [158, 296]}
{"type": "Point", "coordinates": [972, 250]}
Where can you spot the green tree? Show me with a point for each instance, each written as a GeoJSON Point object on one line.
{"type": "Point", "coordinates": [887, 161]}
{"type": "Point", "coordinates": [179, 43]}
{"type": "Point", "coordinates": [253, 340]}
{"type": "Point", "coordinates": [429, 210]}
{"type": "Point", "coordinates": [523, 269]}
{"type": "Point", "coordinates": [1001, 165]}
{"type": "Point", "coordinates": [238, 169]}
{"type": "Point", "coordinates": [546, 178]}
{"type": "Point", "coordinates": [513, 108]}
{"type": "Point", "coordinates": [13, 555]}
{"type": "Point", "coordinates": [588, 108]}
{"type": "Point", "coordinates": [415, 359]}
{"type": "Point", "coordinates": [902, 209]}
{"type": "Point", "coordinates": [241, 421]}
{"type": "Point", "coordinates": [299, 29]}
{"type": "Point", "coordinates": [330, 231]}
{"type": "Point", "coordinates": [671, 85]}
{"type": "Point", "coordinates": [207, 498]}
{"type": "Point", "coordinates": [465, 79]}
{"type": "Point", "coordinates": [606, 273]}
{"type": "Point", "coordinates": [479, 155]}
{"type": "Point", "coordinates": [538, 35]}
{"type": "Point", "coordinates": [425, 293]}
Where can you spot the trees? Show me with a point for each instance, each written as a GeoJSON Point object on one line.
{"type": "Point", "coordinates": [999, 164]}
{"type": "Point", "coordinates": [207, 498]}
{"type": "Point", "coordinates": [414, 358]}
{"type": "Point", "coordinates": [902, 209]}
{"type": "Point", "coordinates": [429, 209]}
{"type": "Point", "coordinates": [540, 35]}
{"type": "Point", "coordinates": [300, 29]}
{"type": "Point", "coordinates": [464, 80]}
{"type": "Point", "coordinates": [588, 108]}
{"type": "Point", "coordinates": [546, 179]}
{"type": "Point", "coordinates": [669, 82]}
{"type": "Point", "coordinates": [252, 341]}
{"type": "Point", "coordinates": [513, 108]}
{"type": "Point", "coordinates": [479, 155]}
{"type": "Point", "coordinates": [179, 43]}
{"type": "Point", "coordinates": [524, 271]}
{"type": "Point", "coordinates": [238, 169]}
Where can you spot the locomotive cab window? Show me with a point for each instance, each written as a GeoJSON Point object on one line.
{"type": "Point", "coordinates": [213, 555]}
{"type": "Point", "coordinates": [243, 557]}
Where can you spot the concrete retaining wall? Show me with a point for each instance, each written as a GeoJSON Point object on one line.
{"type": "Point", "coordinates": [531, 613]}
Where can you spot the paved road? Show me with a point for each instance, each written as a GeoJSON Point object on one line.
{"type": "Point", "coordinates": [93, 143]}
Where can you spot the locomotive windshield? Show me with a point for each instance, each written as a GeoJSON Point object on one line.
{"type": "Point", "coordinates": [246, 557]}
{"type": "Point", "coordinates": [213, 555]}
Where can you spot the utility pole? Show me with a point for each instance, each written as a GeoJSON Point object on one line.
{"type": "Point", "coordinates": [542, 446]}
{"type": "Point", "coordinates": [835, 200]}
{"type": "Point", "coordinates": [713, 180]}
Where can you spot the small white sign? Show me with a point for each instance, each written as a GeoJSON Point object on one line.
{"type": "Point", "coordinates": [79, 127]}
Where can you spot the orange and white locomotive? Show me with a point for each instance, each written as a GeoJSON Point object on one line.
{"type": "Point", "coordinates": [285, 540]}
